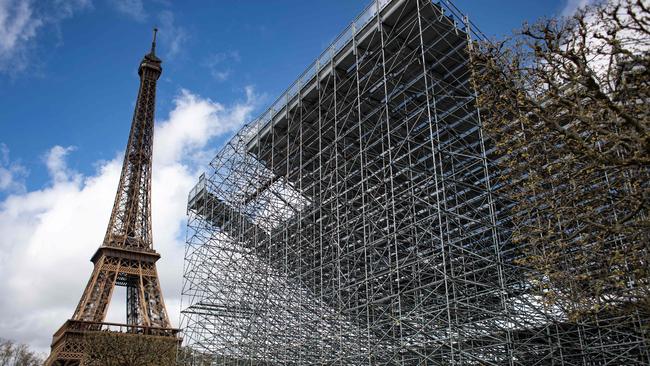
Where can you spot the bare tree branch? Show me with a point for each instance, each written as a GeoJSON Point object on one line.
{"type": "Point", "coordinates": [566, 103]}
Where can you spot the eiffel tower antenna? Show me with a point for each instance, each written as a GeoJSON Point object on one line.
{"type": "Point", "coordinates": [153, 43]}
{"type": "Point", "coordinates": [126, 256]}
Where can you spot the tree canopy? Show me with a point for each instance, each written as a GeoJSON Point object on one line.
{"type": "Point", "coordinates": [14, 354]}
{"type": "Point", "coordinates": [566, 104]}
{"type": "Point", "coordinates": [124, 349]}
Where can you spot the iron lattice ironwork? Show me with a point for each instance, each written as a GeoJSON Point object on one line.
{"type": "Point", "coordinates": [126, 256]}
{"type": "Point", "coordinates": [357, 221]}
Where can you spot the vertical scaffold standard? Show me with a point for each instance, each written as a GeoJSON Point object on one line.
{"type": "Point", "coordinates": [354, 222]}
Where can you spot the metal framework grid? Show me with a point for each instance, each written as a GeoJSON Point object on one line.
{"type": "Point", "coordinates": [354, 222]}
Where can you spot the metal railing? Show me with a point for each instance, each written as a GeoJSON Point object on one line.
{"type": "Point", "coordinates": [198, 187]}
{"type": "Point", "coordinates": [86, 326]}
{"type": "Point", "coordinates": [321, 61]}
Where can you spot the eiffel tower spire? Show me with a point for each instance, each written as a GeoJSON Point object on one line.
{"type": "Point", "coordinates": [126, 257]}
{"type": "Point", "coordinates": [130, 222]}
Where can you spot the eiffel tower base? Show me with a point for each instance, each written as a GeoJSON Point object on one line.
{"type": "Point", "coordinates": [69, 342]}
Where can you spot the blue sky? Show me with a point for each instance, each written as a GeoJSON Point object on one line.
{"type": "Point", "coordinates": [77, 82]}
{"type": "Point", "coordinates": [68, 82]}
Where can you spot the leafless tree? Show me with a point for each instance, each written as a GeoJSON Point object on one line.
{"type": "Point", "coordinates": [13, 354]}
{"type": "Point", "coordinates": [566, 104]}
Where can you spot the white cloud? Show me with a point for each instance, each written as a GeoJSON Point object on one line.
{"type": "Point", "coordinates": [16, 24]}
{"type": "Point", "coordinates": [12, 174]}
{"type": "Point", "coordinates": [572, 6]}
{"type": "Point", "coordinates": [222, 75]}
{"type": "Point", "coordinates": [219, 64]}
{"type": "Point", "coordinates": [50, 234]}
{"type": "Point", "coordinates": [602, 31]}
{"type": "Point", "coordinates": [56, 164]}
{"type": "Point", "coordinates": [132, 8]}
{"type": "Point", "coordinates": [20, 23]}
{"type": "Point", "coordinates": [171, 35]}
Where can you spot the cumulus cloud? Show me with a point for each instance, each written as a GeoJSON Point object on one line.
{"type": "Point", "coordinates": [49, 234]}
{"type": "Point", "coordinates": [201, 119]}
{"type": "Point", "coordinates": [56, 164]}
{"type": "Point", "coordinates": [21, 21]}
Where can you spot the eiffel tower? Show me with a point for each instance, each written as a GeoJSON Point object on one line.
{"type": "Point", "coordinates": [126, 256]}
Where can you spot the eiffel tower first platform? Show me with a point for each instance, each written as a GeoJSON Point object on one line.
{"type": "Point", "coordinates": [126, 256]}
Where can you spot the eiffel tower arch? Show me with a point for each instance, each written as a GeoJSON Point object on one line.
{"type": "Point", "coordinates": [126, 256]}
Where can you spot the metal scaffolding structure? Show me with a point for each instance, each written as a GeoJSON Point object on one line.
{"type": "Point", "coordinates": [355, 221]}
